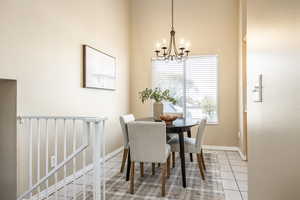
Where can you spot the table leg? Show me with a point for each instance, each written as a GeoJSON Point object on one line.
{"type": "Point", "coordinates": [128, 166]}
{"type": "Point", "coordinates": [190, 135]}
{"type": "Point", "coordinates": [181, 142]}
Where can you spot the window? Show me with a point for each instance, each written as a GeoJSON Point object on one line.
{"type": "Point", "coordinates": [194, 83]}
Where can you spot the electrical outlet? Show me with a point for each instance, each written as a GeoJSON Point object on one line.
{"type": "Point", "coordinates": [53, 161]}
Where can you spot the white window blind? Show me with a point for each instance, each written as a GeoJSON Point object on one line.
{"type": "Point", "coordinates": [170, 75]}
{"type": "Point", "coordinates": [201, 87]}
{"type": "Point", "coordinates": [194, 83]}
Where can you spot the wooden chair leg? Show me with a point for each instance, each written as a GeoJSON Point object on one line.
{"type": "Point", "coordinates": [142, 169]}
{"type": "Point", "coordinates": [132, 178]}
{"type": "Point", "coordinates": [168, 166]}
{"type": "Point", "coordinates": [125, 153]}
{"type": "Point", "coordinates": [173, 159]}
{"type": "Point", "coordinates": [202, 159]}
{"type": "Point", "coordinates": [163, 180]}
{"type": "Point", "coordinates": [158, 165]}
{"type": "Point", "coordinates": [200, 166]}
{"type": "Point", "coordinates": [153, 169]}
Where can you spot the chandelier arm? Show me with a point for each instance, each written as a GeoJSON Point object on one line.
{"type": "Point", "coordinates": [170, 45]}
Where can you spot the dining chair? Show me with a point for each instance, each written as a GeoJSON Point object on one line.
{"type": "Point", "coordinates": [124, 119]}
{"type": "Point", "coordinates": [171, 136]}
{"type": "Point", "coordinates": [148, 145]}
{"type": "Point", "coordinates": [192, 145]}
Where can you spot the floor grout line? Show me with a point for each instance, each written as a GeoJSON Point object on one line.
{"type": "Point", "coordinates": [234, 176]}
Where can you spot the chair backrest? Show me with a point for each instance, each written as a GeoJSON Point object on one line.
{"type": "Point", "coordinates": [124, 120]}
{"type": "Point", "coordinates": [200, 132]}
{"type": "Point", "coordinates": [147, 141]}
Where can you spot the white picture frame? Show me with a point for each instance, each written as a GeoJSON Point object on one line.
{"type": "Point", "coordinates": [99, 69]}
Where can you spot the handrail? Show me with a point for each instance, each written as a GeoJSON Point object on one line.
{"type": "Point", "coordinates": [88, 132]}
{"type": "Point", "coordinates": [52, 172]}
{"type": "Point", "coordinates": [88, 119]}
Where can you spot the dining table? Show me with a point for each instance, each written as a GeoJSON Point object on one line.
{"type": "Point", "coordinates": [180, 126]}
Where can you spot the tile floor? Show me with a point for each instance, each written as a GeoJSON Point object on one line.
{"type": "Point", "coordinates": [234, 174]}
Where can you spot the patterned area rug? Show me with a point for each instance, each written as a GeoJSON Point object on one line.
{"type": "Point", "coordinates": [149, 187]}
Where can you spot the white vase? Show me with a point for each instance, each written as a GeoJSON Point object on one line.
{"type": "Point", "coordinates": [158, 110]}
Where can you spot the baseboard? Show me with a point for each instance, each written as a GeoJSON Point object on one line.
{"type": "Point", "coordinates": [242, 155]}
{"type": "Point", "coordinates": [62, 183]}
{"type": "Point", "coordinates": [225, 148]}
{"type": "Point", "coordinates": [220, 148]}
{"type": "Point", "coordinates": [77, 174]}
{"type": "Point", "coordinates": [113, 153]}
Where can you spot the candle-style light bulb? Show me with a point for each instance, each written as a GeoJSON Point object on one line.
{"type": "Point", "coordinates": [164, 42]}
{"type": "Point", "coordinates": [158, 46]}
{"type": "Point", "coordinates": [181, 43]}
{"type": "Point", "coordinates": [187, 45]}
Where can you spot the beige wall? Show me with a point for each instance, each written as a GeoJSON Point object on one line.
{"type": "Point", "coordinates": [212, 28]}
{"type": "Point", "coordinates": [41, 47]}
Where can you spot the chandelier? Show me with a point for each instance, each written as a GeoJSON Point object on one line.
{"type": "Point", "coordinates": [170, 52]}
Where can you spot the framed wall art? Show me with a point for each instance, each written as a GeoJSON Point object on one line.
{"type": "Point", "coordinates": [99, 69]}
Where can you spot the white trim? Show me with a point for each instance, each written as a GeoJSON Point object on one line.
{"type": "Point", "coordinates": [113, 154]}
{"type": "Point", "coordinates": [53, 172]}
{"type": "Point", "coordinates": [78, 174]}
{"type": "Point", "coordinates": [88, 119]}
{"type": "Point", "coordinates": [225, 148]}
{"type": "Point", "coordinates": [220, 148]}
{"type": "Point", "coordinates": [242, 155]}
{"type": "Point", "coordinates": [62, 183]}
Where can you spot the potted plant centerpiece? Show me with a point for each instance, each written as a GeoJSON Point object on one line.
{"type": "Point", "coordinates": [158, 95]}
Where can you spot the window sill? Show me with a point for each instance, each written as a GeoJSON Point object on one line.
{"type": "Point", "coordinates": [213, 123]}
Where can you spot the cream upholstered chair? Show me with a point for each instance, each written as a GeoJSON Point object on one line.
{"type": "Point", "coordinates": [148, 144]}
{"type": "Point", "coordinates": [124, 119]}
{"type": "Point", "coordinates": [192, 145]}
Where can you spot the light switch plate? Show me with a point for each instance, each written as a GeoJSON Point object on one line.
{"type": "Point", "coordinates": [258, 90]}
{"type": "Point", "coordinates": [53, 161]}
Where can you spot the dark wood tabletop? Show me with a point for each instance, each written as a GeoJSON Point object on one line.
{"type": "Point", "coordinates": [178, 123]}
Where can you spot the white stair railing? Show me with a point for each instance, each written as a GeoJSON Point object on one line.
{"type": "Point", "coordinates": [61, 158]}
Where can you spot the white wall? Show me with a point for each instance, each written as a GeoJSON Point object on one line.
{"type": "Point", "coordinates": [41, 47]}
{"type": "Point", "coordinates": [273, 30]}
{"type": "Point", "coordinates": [212, 28]}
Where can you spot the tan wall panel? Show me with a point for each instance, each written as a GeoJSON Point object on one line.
{"type": "Point", "coordinates": [212, 28]}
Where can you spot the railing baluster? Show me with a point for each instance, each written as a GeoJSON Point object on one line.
{"type": "Point", "coordinates": [30, 156]}
{"type": "Point", "coordinates": [38, 156]}
{"type": "Point", "coordinates": [85, 132]}
{"type": "Point", "coordinates": [65, 157]}
{"type": "Point", "coordinates": [74, 159]}
{"type": "Point", "coordinates": [96, 161]}
{"type": "Point", "coordinates": [47, 160]}
{"type": "Point", "coordinates": [55, 153]}
{"type": "Point", "coordinates": [91, 132]}
{"type": "Point", "coordinates": [102, 146]}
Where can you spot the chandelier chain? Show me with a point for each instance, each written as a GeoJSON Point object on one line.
{"type": "Point", "coordinates": [172, 14]}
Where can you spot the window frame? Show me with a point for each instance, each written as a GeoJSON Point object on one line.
{"type": "Point", "coordinates": [184, 84]}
